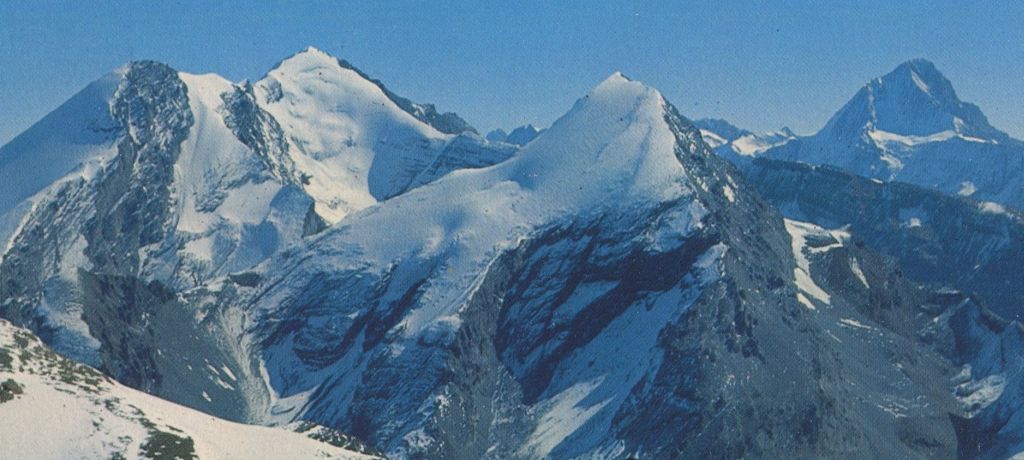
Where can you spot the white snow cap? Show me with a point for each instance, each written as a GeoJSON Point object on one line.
{"type": "Point", "coordinates": [358, 145]}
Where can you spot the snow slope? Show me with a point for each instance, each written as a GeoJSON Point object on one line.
{"type": "Point", "coordinates": [75, 140]}
{"type": "Point", "coordinates": [574, 172]}
{"type": "Point", "coordinates": [353, 142]}
{"type": "Point", "coordinates": [613, 150]}
{"type": "Point", "coordinates": [99, 418]}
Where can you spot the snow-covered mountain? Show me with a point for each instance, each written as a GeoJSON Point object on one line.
{"type": "Point", "coordinates": [55, 408]}
{"type": "Point", "coordinates": [311, 251]}
{"type": "Point", "coordinates": [600, 294]}
{"type": "Point", "coordinates": [910, 126]}
{"type": "Point", "coordinates": [151, 182]}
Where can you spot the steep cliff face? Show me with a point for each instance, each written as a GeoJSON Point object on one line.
{"type": "Point", "coordinates": [967, 251]}
{"type": "Point", "coordinates": [954, 242]}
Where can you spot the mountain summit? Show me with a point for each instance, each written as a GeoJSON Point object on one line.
{"type": "Point", "coordinates": [910, 126]}
{"type": "Point", "coordinates": [915, 99]}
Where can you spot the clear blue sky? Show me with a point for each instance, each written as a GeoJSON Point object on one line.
{"type": "Point", "coordinates": [761, 65]}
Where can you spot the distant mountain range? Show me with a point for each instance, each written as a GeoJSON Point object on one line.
{"type": "Point", "coordinates": [364, 274]}
{"type": "Point", "coordinates": [519, 136]}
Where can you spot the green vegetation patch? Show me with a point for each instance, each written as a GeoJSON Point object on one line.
{"type": "Point", "coordinates": [9, 389]}
{"type": "Point", "coordinates": [22, 339]}
{"type": "Point", "coordinates": [162, 445]}
{"type": "Point", "coordinates": [5, 359]}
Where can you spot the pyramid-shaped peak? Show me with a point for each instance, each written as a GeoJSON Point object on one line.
{"type": "Point", "coordinates": [618, 88]}
{"type": "Point", "coordinates": [922, 67]}
{"type": "Point", "coordinates": [311, 49]}
{"type": "Point", "coordinates": [914, 99]}
{"type": "Point", "coordinates": [616, 78]}
{"type": "Point", "coordinates": [925, 77]}
{"type": "Point", "coordinates": [317, 64]}
{"type": "Point", "coordinates": [309, 56]}
{"type": "Point", "coordinates": [619, 125]}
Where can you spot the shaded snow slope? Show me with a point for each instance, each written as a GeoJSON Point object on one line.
{"type": "Point", "coordinates": [432, 251]}
{"type": "Point", "coordinates": [73, 141]}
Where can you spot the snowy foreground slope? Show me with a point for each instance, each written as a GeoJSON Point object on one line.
{"type": "Point", "coordinates": [910, 126]}
{"type": "Point", "coordinates": [53, 408]}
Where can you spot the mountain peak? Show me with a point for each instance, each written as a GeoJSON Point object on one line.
{"type": "Point", "coordinates": [925, 77]}
{"type": "Point", "coordinates": [312, 49]}
{"type": "Point", "coordinates": [618, 133]}
{"type": "Point", "coordinates": [308, 56]}
{"type": "Point", "coordinates": [615, 78]}
{"type": "Point", "coordinates": [522, 135]}
{"type": "Point", "coordinates": [914, 99]}
{"type": "Point", "coordinates": [619, 88]}
{"type": "Point", "coordinates": [313, 59]}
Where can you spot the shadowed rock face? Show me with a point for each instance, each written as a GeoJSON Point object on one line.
{"type": "Point", "coordinates": [125, 210]}
{"type": "Point", "coordinates": [936, 238]}
{"type": "Point", "coordinates": [951, 244]}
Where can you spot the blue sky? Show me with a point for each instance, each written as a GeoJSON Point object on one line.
{"type": "Point", "coordinates": [760, 64]}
